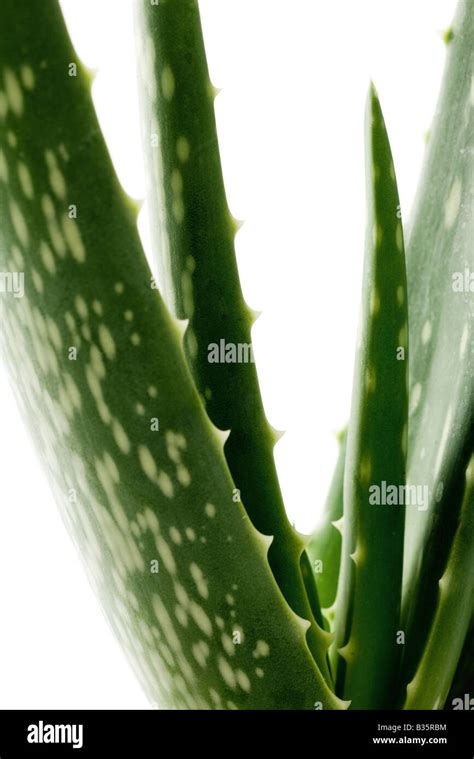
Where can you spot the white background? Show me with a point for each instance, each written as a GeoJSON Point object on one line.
{"type": "Point", "coordinates": [294, 77]}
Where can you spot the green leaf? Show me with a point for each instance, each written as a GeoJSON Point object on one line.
{"type": "Point", "coordinates": [368, 599]}
{"type": "Point", "coordinates": [463, 680]}
{"type": "Point", "coordinates": [193, 233]}
{"type": "Point", "coordinates": [101, 378]}
{"type": "Point", "coordinates": [324, 547]}
{"type": "Point", "coordinates": [431, 684]}
{"type": "Point", "coordinates": [440, 266]}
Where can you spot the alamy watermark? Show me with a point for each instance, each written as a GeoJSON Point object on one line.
{"type": "Point", "coordinates": [463, 282]}
{"type": "Point", "coordinates": [48, 733]}
{"type": "Point", "coordinates": [230, 353]}
{"type": "Point", "coordinates": [465, 703]}
{"type": "Point", "coordinates": [399, 495]}
{"type": "Point", "coordinates": [12, 282]}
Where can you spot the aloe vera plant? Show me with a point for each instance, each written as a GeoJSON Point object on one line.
{"type": "Point", "coordinates": [159, 453]}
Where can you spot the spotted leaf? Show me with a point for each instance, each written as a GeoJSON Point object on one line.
{"type": "Point", "coordinates": [440, 266]}
{"type": "Point", "coordinates": [97, 364]}
{"type": "Point", "coordinates": [194, 236]}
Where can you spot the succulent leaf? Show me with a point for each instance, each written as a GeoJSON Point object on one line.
{"type": "Point", "coordinates": [97, 364]}
{"type": "Point", "coordinates": [324, 547]}
{"type": "Point", "coordinates": [194, 234]}
{"type": "Point", "coordinates": [150, 423]}
{"type": "Point", "coordinates": [440, 266]}
{"type": "Point", "coordinates": [463, 680]}
{"type": "Point", "coordinates": [367, 655]}
{"type": "Point", "coordinates": [432, 681]}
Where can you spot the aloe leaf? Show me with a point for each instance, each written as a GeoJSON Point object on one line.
{"type": "Point", "coordinates": [463, 680]}
{"type": "Point", "coordinates": [193, 233]}
{"type": "Point", "coordinates": [433, 560]}
{"type": "Point", "coordinates": [440, 266]}
{"type": "Point", "coordinates": [432, 681]}
{"type": "Point", "coordinates": [324, 546]}
{"type": "Point", "coordinates": [368, 599]}
{"type": "Point", "coordinates": [96, 361]}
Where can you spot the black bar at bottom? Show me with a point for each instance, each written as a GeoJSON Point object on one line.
{"type": "Point", "coordinates": [149, 734]}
